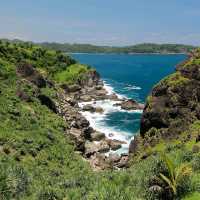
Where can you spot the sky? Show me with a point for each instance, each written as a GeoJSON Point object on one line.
{"type": "Point", "coordinates": [101, 22]}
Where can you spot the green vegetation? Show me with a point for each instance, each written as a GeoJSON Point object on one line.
{"type": "Point", "coordinates": [176, 175]}
{"type": "Point", "coordinates": [139, 48]}
{"type": "Point", "coordinates": [72, 74]}
{"type": "Point", "coordinates": [37, 159]}
{"type": "Point", "coordinates": [175, 79]}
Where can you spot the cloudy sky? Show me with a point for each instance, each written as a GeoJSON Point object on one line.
{"type": "Point", "coordinates": [102, 22]}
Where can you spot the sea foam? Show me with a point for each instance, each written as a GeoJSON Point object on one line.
{"type": "Point", "coordinates": [98, 120]}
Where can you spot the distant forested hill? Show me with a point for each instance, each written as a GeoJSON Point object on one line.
{"type": "Point", "coordinates": [139, 48]}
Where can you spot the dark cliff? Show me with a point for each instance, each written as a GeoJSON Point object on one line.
{"type": "Point", "coordinates": [174, 103]}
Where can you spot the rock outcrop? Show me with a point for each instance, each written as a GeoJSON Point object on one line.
{"type": "Point", "coordinates": [130, 104]}
{"type": "Point", "coordinates": [174, 103]}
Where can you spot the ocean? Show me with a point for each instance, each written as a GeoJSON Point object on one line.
{"type": "Point", "coordinates": [129, 76]}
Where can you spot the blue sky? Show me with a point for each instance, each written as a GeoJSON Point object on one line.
{"type": "Point", "coordinates": [102, 22]}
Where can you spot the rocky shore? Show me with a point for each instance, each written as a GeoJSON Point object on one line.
{"type": "Point", "coordinates": [92, 144]}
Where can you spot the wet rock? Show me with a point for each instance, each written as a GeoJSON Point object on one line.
{"type": "Point", "coordinates": [101, 92]}
{"type": "Point", "coordinates": [113, 97]}
{"type": "Point", "coordinates": [89, 108]}
{"type": "Point", "coordinates": [131, 105]}
{"type": "Point", "coordinates": [99, 110]}
{"type": "Point", "coordinates": [110, 134]}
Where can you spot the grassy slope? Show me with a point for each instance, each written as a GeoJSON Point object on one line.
{"type": "Point", "coordinates": [37, 159]}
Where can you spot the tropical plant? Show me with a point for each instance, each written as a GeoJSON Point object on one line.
{"type": "Point", "coordinates": [175, 174]}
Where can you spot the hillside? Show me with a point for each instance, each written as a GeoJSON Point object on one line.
{"type": "Point", "coordinates": [171, 122]}
{"type": "Point", "coordinates": [138, 48]}
{"type": "Point", "coordinates": [39, 159]}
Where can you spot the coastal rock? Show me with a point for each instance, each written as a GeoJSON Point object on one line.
{"type": "Point", "coordinates": [115, 144]}
{"type": "Point", "coordinates": [92, 147]}
{"type": "Point", "coordinates": [97, 136]}
{"type": "Point", "coordinates": [87, 132]}
{"type": "Point", "coordinates": [114, 157]}
{"type": "Point", "coordinates": [113, 97]}
{"type": "Point", "coordinates": [81, 122]}
{"type": "Point", "coordinates": [131, 105]}
{"type": "Point", "coordinates": [110, 134]}
{"type": "Point", "coordinates": [89, 108]}
{"type": "Point", "coordinates": [91, 79]}
{"type": "Point", "coordinates": [123, 163]}
{"type": "Point", "coordinates": [99, 110]}
{"type": "Point", "coordinates": [74, 88]}
{"type": "Point", "coordinates": [133, 147]}
{"type": "Point", "coordinates": [100, 162]}
{"type": "Point", "coordinates": [101, 92]}
{"type": "Point", "coordinates": [99, 87]}
{"type": "Point", "coordinates": [76, 135]}
{"type": "Point", "coordinates": [85, 98]}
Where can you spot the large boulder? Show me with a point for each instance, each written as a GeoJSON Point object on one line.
{"type": "Point", "coordinates": [97, 136]}
{"type": "Point", "coordinates": [115, 144]}
{"type": "Point", "coordinates": [131, 105]}
{"type": "Point", "coordinates": [89, 108]}
{"type": "Point", "coordinates": [92, 147]}
{"type": "Point", "coordinates": [99, 110]}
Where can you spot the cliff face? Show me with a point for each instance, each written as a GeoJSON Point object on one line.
{"type": "Point", "coordinates": [174, 103]}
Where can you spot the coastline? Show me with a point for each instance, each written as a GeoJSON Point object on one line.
{"type": "Point", "coordinates": [86, 107]}
{"type": "Point", "coordinates": [106, 53]}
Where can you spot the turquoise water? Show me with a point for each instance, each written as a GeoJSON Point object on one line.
{"type": "Point", "coordinates": [132, 76]}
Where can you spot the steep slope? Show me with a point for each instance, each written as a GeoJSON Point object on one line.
{"type": "Point", "coordinates": [38, 159]}
{"type": "Point", "coordinates": [175, 102]}
{"type": "Point", "coordinates": [170, 125]}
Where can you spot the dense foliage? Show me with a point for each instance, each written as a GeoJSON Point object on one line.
{"type": "Point", "coordinates": [37, 159]}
